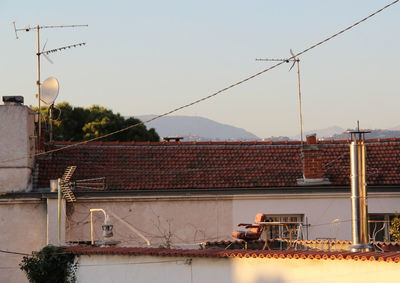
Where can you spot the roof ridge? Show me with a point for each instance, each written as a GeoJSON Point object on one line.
{"type": "Point", "coordinates": [222, 253]}
{"type": "Point", "coordinates": [164, 143]}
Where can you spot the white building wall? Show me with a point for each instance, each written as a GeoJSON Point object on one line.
{"type": "Point", "coordinates": [116, 268]}
{"type": "Point", "coordinates": [52, 237]}
{"type": "Point", "coordinates": [17, 141]}
{"type": "Point", "coordinates": [23, 229]}
{"type": "Point", "coordinates": [190, 219]}
{"type": "Point", "coordinates": [195, 219]}
{"type": "Point", "coordinates": [178, 219]}
{"type": "Point", "coordinates": [319, 209]}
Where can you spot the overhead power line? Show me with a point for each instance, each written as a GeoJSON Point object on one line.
{"type": "Point", "coordinates": [213, 94]}
{"type": "Point", "coordinates": [12, 252]}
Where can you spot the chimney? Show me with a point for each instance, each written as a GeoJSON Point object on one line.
{"type": "Point", "coordinates": [313, 170]}
{"type": "Point", "coordinates": [17, 130]}
{"type": "Point", "coordinates": [13, 100]}
{"type": "Point", "coordinates": [172, 138]}
{"type": "Point", "coordinates": [359, 209]}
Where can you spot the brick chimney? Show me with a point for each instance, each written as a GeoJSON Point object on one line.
{"type": "Point", "coordinates": [313, 170]}
{"type": "Point", "coordinates": [17, 140]}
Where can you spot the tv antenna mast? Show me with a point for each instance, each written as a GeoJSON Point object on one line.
{"type": "Point", "coordinates": [44, 53]}
{"type": "Point", "coordinates": [296, 61]}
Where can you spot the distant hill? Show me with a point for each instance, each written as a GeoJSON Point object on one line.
{"type": "Point", "coordinates": [375, 134]}
{"type": "Point", "coordinates": [322, 133]}
{"type": "Point", "coordinates": [194, 128]}
{"type": "Point", "coordinates": [338, 133]}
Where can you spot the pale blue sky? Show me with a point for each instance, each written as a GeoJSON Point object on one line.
{"type": "Point", "coordinates": [147, 57]}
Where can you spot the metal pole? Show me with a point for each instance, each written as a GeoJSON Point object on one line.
{"type": "Point", "coordinates": [363, 197]}
{"type": "Point", "coordinates": [355, 197]}
{"type": "Point", "coordinates": [91, 228]}
{"type": "Point", "coordinates": [91, 221]}
{"type": "Point", "coordinates": [59, 211]}
{"type": "Point", "coordinates": [301, 112]}
{"type": "Point", "coordinates": [51, 122]}
{"type": "Point", "coordinates": [38, 83]}
{"type": "Point", "coordinates": [359, 208]}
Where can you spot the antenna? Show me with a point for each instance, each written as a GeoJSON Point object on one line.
{"type": "Point", "coordinates": [48, 94]}
{"type": "Point", "coordinates": [44, 53]}
{"type": "Point", "coordinates": [49, 91]}
{"type": "Point", "coordinates": [295, 61]}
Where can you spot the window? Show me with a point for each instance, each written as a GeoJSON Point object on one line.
{"type": "Point", "coordinates": [379, 224]}
{"type": "Point", "coordinates": [283, 231]}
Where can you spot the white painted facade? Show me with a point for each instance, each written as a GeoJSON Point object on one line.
{"type": "Point", "coordinates": [189, 219]}
{"type": "Point", "coordinates": [17, 141]}
{"type": "Point", "coordinates": [196, 219]}
{"type": "Point", "coordinates": [124, 269]}
{"type": "Point", "coordinates": [23, 230]}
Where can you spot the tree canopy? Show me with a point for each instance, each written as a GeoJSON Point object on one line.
{"type": "Point", "coordinates": [79, 124]}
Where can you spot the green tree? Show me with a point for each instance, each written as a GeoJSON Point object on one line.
{"type": "Point", "coordinates": [51, 264]}
{"type": "Point", "coordinates": [78, 124]}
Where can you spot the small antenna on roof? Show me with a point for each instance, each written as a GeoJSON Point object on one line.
{"type": "Point", "coordinates": [295, 60]}
{"type": "Point", "coordinates": [44, 53]}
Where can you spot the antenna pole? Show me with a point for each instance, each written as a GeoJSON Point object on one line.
{"type": "Point", "coordinates": [300, 108]}
{"type": "Point", "coordinates": [51, 121]}
{"type": "Point", "coordinates": [59, 197]}
{"type": "Point", "coordinates": [38, 84]}
{"type": "Point", "coordinates": [38, 53]}
{"type": "Point", "coordinates": [295, 60]}
{"type": "Point", "coordinates": [15, 30]}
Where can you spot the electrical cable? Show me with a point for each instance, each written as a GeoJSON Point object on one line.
{"type": "Point", "coordinates": [132, 263]}
{"type": "Point", "coordinates": [8, 267]}
{"type": "Point", "coordinates": [211, 95]}
{"type": "Point", "coordinates": [12, 252]}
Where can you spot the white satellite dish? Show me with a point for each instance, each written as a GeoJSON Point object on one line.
{"type": "Point", "coordinates": [49, 90]}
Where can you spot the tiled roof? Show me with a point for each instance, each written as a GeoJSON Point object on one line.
{"type": "Point", "coordinates": [331, 245]}
{"type": "Point", "coordinates": [221, 253]}
{"type": "Point", "coordinates": [213, 165]}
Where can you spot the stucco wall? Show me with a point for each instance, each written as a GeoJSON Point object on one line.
{"type": "Point", "coordinates": [23, 229]}
{"type": "Point", "coordinates": [115, 268]}
{"type": "Point", "coordinates": [181, 220]}
{"type": "Point", "coordinates": [320, 210]}
{"type": "Point", "coordinates": [194, 219]}
{"type": "Point", "coordinates": [16, 139]}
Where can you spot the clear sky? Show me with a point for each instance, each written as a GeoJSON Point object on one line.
{"type": "Point", "coordinates": [148, 57]}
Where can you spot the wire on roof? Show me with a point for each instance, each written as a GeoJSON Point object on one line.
{"type": "Point", "coordinates": [213, 94]}
{"type": "Point", "coordinates": [15, 253]}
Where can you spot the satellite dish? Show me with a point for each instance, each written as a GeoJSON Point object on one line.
{"type": "Point", "coordinates": [49, 90]}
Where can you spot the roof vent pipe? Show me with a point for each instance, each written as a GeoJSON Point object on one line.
{"type": "Point", "coordinates": [359, 209]}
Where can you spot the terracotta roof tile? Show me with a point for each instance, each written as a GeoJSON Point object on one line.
{"type": "Point", "coordinates": [213, 165]}
{"type": "Point", "coordinates": [221, 253]}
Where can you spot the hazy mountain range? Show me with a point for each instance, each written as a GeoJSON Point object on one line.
{"type": "Point", "coordinates": [193, 128]}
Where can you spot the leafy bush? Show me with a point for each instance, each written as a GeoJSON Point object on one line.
{"type": "Point", "coordinates": [51, 264]}
{"type": "Point", "coordinates": [394, 229]}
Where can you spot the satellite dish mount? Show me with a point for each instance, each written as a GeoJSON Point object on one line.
{"type": "Point", "coordinates": [49, 92]}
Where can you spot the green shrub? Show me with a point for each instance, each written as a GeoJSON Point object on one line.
{"type": "Point", "coordinates": [51, 264]}
{"type": "Point", "coordinates": [394, 229]}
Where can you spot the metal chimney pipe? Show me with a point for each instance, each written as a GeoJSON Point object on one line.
{"type": "Point", "coordinates": [359, 210]}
